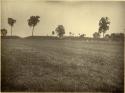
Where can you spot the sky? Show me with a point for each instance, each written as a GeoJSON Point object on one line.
{"type": "Point", "coordinates": [76, 16]}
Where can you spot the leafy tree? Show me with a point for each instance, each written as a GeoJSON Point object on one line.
{"type": "Point", "coordinates": [3, 32]}
{"type": "Point", "coordinates": [60, 30]}
{"type": "Point", "coordinates": [11, 22]}
{"type": "Point", "coordinates": [32, 22]}
{"type": "Point", "coordinates": [96, 35]}
{"type": "Point", "coordinates": [104, 25]}
{"type": "Point", "coordinates": [53, 32]}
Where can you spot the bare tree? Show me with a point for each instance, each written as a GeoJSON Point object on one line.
{"type": "Point", "coordinates": [3, 32]}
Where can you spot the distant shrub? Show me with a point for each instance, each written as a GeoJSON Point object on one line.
{"type": "Point", "coordinates": [3, 32]}
{"type": "Point", "coordinates": [96, 35]}
{"type": "Point", "coordinates": [53, 33]}
{"type": "Point", "coordinates": [107, 36]}
{"type": "Point", "coordinates": [82, 35]}
{"type": "Point", "coordinates": [117, 36]}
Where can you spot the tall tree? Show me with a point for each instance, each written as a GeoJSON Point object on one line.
{"type": "Point", "coordinates": [60, 31]}
{"type": "Point", "coordinates": [104, 25]}
{"type": "Point", "coordinates": [32, 22]}
{"type": "Point", "coordinates": [11, 22]}
{"type": "Point", "coordinates": [3, 32]}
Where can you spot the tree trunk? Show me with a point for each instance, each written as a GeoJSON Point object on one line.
{"type": "Point", "coordinates": [11, 30]}
{"type": "Point", "coordinates": [61, 36]}
{"type": "Point", "coordinates": [32, 30]}
{"type": "Point", "coordinates": [103, 34]}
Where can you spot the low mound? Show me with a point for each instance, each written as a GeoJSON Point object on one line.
{"type": "Point", "coordinates": [10, 37]}
{"type": "Point", "coordinates": [42, 37]}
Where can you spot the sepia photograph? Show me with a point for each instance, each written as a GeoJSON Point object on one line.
{"type": "Point", "coordinates": [62, 46]}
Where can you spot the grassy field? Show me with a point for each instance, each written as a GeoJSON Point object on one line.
{"type": "Point", "coordinates": [62, 65]}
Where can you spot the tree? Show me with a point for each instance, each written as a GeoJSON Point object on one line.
{"type": "Point", "coordinates": [104, 25]}
{"type": "Point", "coordinates": [96, 35]}
{"type": "Point", "coordinates": [32, 22]}
{"type": "Point", "coordinates": [60, 31]}
{"type": "Point", "coordinates": [53, 32]}
{"type": "Point", "coordinates": [117, 36]}
{"type": "Point", "coordinates": [3, 32]}
{"type": "Point", "coordinates": [11, 22]}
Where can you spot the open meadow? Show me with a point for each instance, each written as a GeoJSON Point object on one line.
{"type": "Point", "coordinates": [62, 65]}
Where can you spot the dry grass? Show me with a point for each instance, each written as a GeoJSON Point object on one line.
{"type": "Point", "coordinates": [62, 65]}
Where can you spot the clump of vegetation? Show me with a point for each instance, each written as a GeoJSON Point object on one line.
{"type": "Point", "coordinates": [53, 33]}
{"type": "Point", "coordinates": [3, 32]}
{"type": "Point", "coordinates": [107, 36]}
{"type": "Point", "coordinates": [96, 35]}
{"type": "Point", "coordinates": [117, 36]}
{"type": "Point", "coordinates": [82, 36]}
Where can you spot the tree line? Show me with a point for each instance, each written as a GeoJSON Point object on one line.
{"type": "Point", "coordinates": [104, 24]}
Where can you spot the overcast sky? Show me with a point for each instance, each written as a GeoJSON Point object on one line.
{"type": "Point", "coordinates": [76, 16]}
